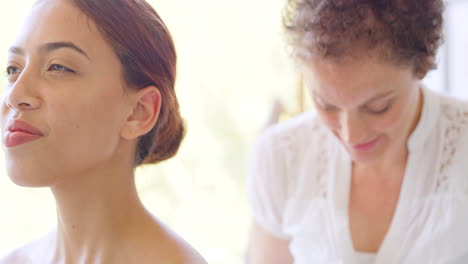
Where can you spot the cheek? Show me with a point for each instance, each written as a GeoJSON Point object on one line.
{"type": "Point", "coordinates": [88, 127]}
{"type": "Point", "coordinates": [4, 113]}
{"type": "Point", "coordinates": [390, 123]}
{"type": "Point", "coordinates": [5, 110]}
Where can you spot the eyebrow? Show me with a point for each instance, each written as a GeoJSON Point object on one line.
{"type": "Point", "coordinates": [49, 47]}
{"type": "Point", "coordinates": [378, 96]}
{"type": "Point", "coordinates": [16, 50]}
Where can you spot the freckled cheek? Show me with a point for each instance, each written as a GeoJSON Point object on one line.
{"type": "Point", "coordinates": [70, 113]}
{"type": "Point", "coordinates": [83, 114]}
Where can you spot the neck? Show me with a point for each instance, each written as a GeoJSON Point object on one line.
{"type": "Point", "coordinates": [94, 211]}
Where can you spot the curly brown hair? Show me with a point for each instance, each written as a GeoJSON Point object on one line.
{"type": "Point", "coordinates": [407, 32]}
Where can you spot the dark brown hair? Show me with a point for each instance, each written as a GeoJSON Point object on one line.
{"type": "Point", "coordinates": [146, 50]}
{"type": "Point", "coordinates": [406, 32]}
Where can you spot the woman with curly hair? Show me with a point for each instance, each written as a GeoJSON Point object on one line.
{"type": "Point", "coordinates": [378, 173]}
{"type": "Point", "coordinates": [90, 96]}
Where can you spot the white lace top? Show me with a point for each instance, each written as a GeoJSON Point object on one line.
{"type": "Point", "coordinates": [299, 181]}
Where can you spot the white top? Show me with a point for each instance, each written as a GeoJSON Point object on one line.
{"type": "Point", "coordinates": [365, 258]}
{"type": "Point", "coordinates": [299, 181]}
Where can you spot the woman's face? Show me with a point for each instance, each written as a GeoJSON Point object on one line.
{"type": "Point", "coordinates": [369, 106]}
{"type": "Point", "coordinates": [65, 80]}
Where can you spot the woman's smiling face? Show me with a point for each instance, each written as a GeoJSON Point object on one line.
{"type": "Point", "coordinates": [369, 105]}
{"type": "Point", "coordinates": [65, 80]}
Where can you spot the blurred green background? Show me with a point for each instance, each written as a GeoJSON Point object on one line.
{"type": "Point", "coordinates": [232, 64]}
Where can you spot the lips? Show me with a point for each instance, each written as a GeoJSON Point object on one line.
{"type": "Point", "coordinates": [366, 146]}
{"type": "Point", "coordinates": [20, 132]}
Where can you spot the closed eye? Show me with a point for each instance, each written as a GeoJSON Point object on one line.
{"type": "Point", "coordinates": [379, 108]}
{"type": "Point", "coordinates": [60, 68]}
{"type": "Point", "coordinates": [328, 108]}
{"type": "Point", "coordinates": [379, 111]}
{"type": "Point", "coordinates": [323, 106]}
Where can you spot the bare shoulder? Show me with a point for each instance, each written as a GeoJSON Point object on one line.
{"type": "Point", "coordinates": [162, 245]}
{"type": "Point", "coordinates": [183, 252]}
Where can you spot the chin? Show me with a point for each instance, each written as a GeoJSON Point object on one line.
{"type": "Point", "coordinates": [30, 182]}
{"type": "Point", "coordinates": [28, 177]}
{"type": "Point", "coordinates": [367, 158]}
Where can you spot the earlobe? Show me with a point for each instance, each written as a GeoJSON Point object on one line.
{"type": "Point", "coordinates": [421, 75]}
{"type": "Point", "coordinates": [145, 112]}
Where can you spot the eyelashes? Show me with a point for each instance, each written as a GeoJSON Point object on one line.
{"type": "Point", "coordinates": [60, 68]}
{"type": "Point", "coordinates": [10, 70]}
{"type": "Point", "coordinates": [13, 71]}
{"type": "Point", "coordinates": [382, 108]}
{"type": "Point", "coordinates": [377, 112]}
{"type": "Point", "coordinates": [376, 109]}
{"type": "Point", "coordinates": [322, 106]}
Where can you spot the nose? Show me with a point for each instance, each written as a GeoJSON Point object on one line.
{"type": "Point", "coordinates": [21, 94]}
{"type": "Point", "coordinates": [352, 128]}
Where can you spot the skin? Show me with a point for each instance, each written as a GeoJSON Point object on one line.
{"type": "Point", "coordinates": [266, 248]}
{"type": "Point", "coordinates": [360, 99]}
{"type": "Point", "coordinates": [91, 121]}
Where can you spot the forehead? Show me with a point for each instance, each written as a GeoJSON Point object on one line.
{"type": "Point", "coordinates": [57, 21]}
{"type": "Point", "coordinates": [352, 82]}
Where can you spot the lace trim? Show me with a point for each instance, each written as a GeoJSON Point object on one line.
{"type": "Point", "coordinates": [322, 160]}
{"type": "Point", "coordinates": [288, 144]}
{"type": "Point", "coordinates": [457, 118]}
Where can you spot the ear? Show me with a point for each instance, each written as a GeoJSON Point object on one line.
{"type": "Point", "coordinates": [420, 75]}
{"type": "Point", "coordinates": [144, 113]}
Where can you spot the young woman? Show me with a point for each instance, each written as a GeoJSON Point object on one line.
{"type": "Point", "coordinates": [379, 173]}
{"type": "Point", "coordinates": [90, 96]}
